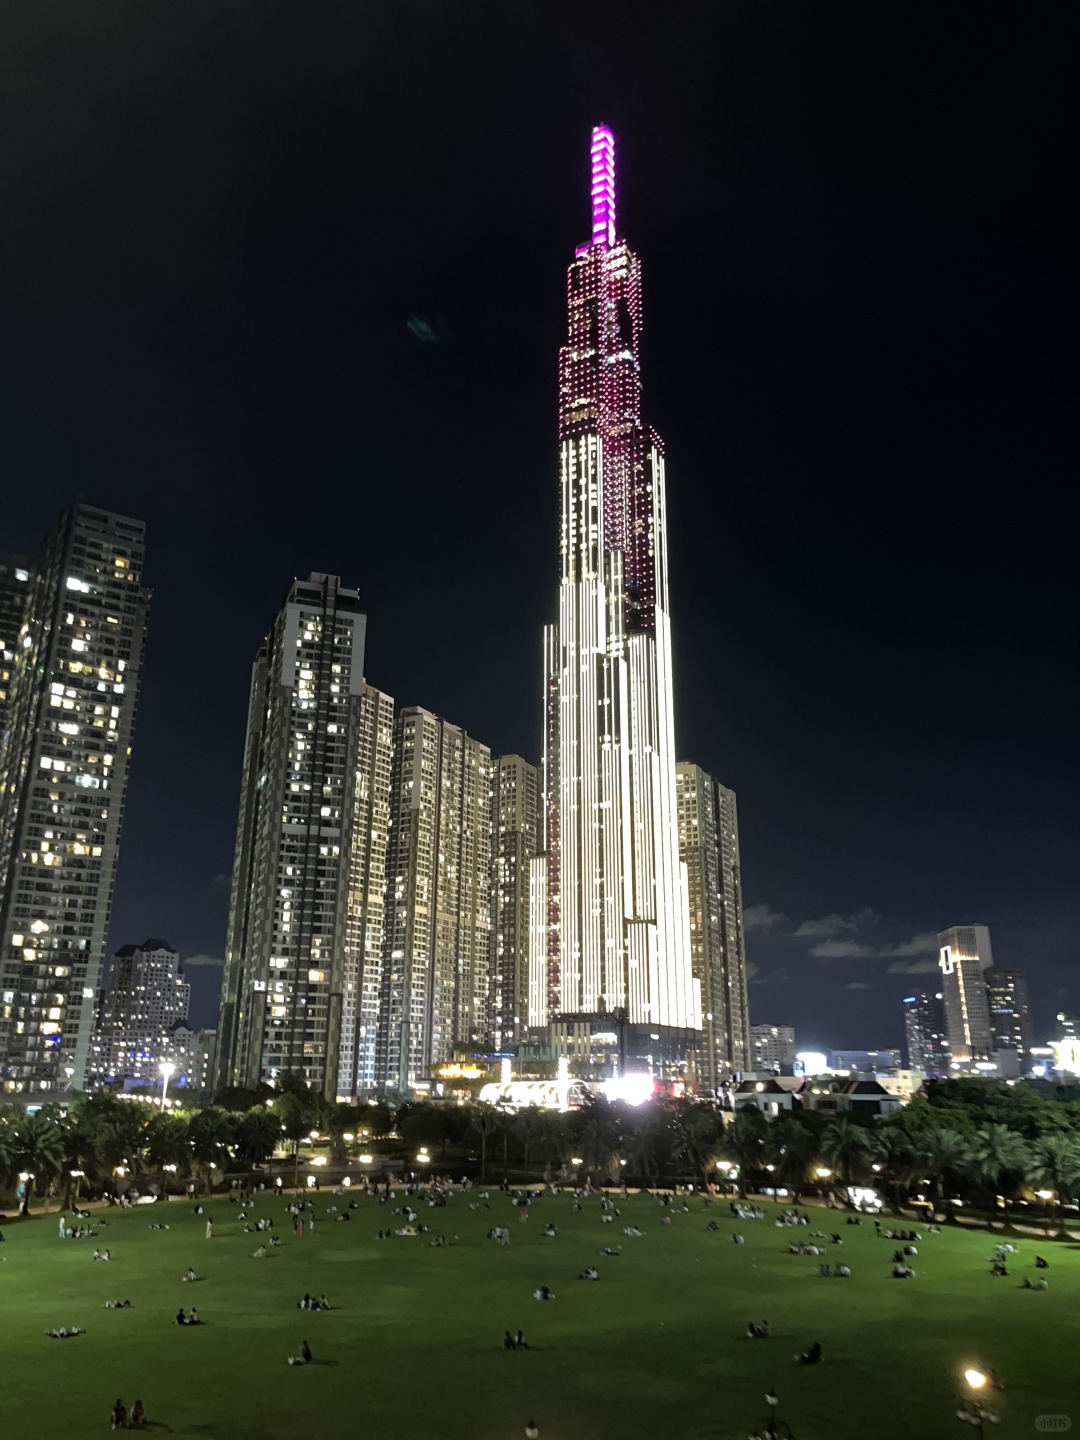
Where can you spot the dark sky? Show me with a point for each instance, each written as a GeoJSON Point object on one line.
{"type": "Point", "coordinates": [856, 226]}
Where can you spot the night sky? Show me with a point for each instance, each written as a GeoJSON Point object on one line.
{"type": "Point", "coordinates": [856, 227]}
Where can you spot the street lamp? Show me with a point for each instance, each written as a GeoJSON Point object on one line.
{"type": "Point", "coordinates": [167, 1069]}
{"type": "Point", "coordinates": [822, 1172]}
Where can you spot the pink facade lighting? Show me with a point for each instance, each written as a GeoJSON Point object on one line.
{"type": "Point", "coordinates": [602, 155]}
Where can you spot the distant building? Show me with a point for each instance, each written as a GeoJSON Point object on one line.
{"type": "Point", "coordinates": [295, 949]}
{"type": "Point", "coordinates": [194, 1053]}
{"type": "Point", "coordinates": [1010, 1019]}
{"type": "Point", "coordinates": [68, 724]}
{"type": "Point", "coordinates": [858, 1096]}
{"type": "Point", "coordinates": [924, 1030]}
{"type": "Point", "coordinates": [772, 1047]}
{"type": "Point", "coordinates": [964, 955]}
{"type": "Point", "coordinates": [865, 1062]}
{"type": "Point", "coordinates": [514, 847]}
{"type": "Point", "coordinates": [144, 998]}
{"type": "Point", "coordinates": [709, 848]}
{"type": "Point", "coordinates": [436, 974]}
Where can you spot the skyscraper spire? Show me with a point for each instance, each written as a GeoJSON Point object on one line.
{"type": "Point", "coordinates": [603, 187]}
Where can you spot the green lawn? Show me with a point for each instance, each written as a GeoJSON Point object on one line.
{"type": "Point", "coordinates": [656, 1349]}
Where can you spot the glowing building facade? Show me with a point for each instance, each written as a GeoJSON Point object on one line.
{"type": "Point", "coordinates": [145, 997]}
{"type": "Point", "coordinates": [964, 956]}
{"type": "Point", "coordinates": [72, 694]}
{"type": "Point", "coordinates": [295, 961]}
{"type": "Point", "coordinates": [709, 848]}
{"type": "Point", "coordinates": [436, 973]}
{"type": "Point", "coordinates": [615, 930]}
{"type": "Point", "coordinates": [514, 842]}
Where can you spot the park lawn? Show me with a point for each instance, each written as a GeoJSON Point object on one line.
{"type": "Point", "coordinates": [413, 1347]}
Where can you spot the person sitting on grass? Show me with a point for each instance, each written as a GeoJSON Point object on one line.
{"type": "Point", "coordinates": [589, 1274]}
{"type": "Point", "coordinates": [259, 1254]}
{"type": "Point", "coordinates": [1042, 1284]}
{"type": "Point", "coordinates": [903, 1272]}
{"type": "Point", "coordinates": [757, 1332]}
{"type": "Point", "coordinates": [519, 1341]}
{"type": "Point", "coordinates": [998, 1267]}
{"type": "Point", "coordinates": [181, 1318]}
{"type": "Point", "coordinates": [190, 1277]}
{"type": "Point", "coordinates": [508, 1341]}
{"type": "Point", "coordinates": [305, 1356]}
{"type": "Point", "coordinates": [825, 1271]}
{"type": "Point", "coordinates": [611, 1250]}
{"type": "Point", "coordinates": [119, 1416]}
{"type": "Point", "coordinates": [137, 1418]}
{"type": "Point", "coordinates": [102, 1255]}
{"type": "Point", "coordinates": [841, 1272]}
{"type": "Point", "coordinates": [193, 1318]}
{"type": "Point", "coordinates": [1041, 1264]}
{"type": "Point", "coordinates": [118, 1305]}
{"type": "Point", "coordinates": [543, 1293]}
{"type": "Point", "coordinates": [812, 1356]}
{"type": "Point", "coordinates": [550, 1230]}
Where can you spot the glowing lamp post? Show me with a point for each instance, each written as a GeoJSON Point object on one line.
{"type": "Point", "coordinates": [973, 1411]}
{"type": "Point", "coordinates": [167, 1069]}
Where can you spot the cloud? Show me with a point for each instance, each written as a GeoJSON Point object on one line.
{"type": "Point", "coordinates": [913, 967]}
{"type": "Point", "coordinates": [207, 960]}
{"type": "Point", "coordinates": [829, 925]}
{"type": "Point", "coordinates": [925, 943]}
{"type": "Point", "coordinates": [751, 969]}
{"type": "Point", "coordinates": [763, 917]}
{"type": "Point", "coordinates": [773, 977]}
{"type": "Point", "coordinates": [858, 985]}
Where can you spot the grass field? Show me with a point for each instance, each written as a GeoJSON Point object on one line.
{"type": "Point", "coordinates": [413, 1345]}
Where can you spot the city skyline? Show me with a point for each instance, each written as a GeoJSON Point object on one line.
{"type": "Point", "coordinates": [854, 341]}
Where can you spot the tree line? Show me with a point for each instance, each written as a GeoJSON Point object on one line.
{"type": "Point", "coordinates": [971, 1141]}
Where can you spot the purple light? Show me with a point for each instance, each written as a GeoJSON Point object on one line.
{"type": "Point", "coordinates": [602, 155]}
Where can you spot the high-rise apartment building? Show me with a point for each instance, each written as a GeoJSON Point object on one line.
{"type": "Point", "coordinates": [514, 843]}
{"type": "Point", "coordinates": [772, 1047]}
{"type": "Point", "coordinates": [292, 984]}
{"type": "Point", "coordinates": [925, 1033]}
{"type": "Point", "coordinates": [617, 936]}
{"type": "Point", "coordinates": [1010, 1018]}
{"type": "Point", "coordinates": [709, 848]}
{"type": "Point", "coordinates": [14, 589]}
{"type": "Point", "coordinates": [71, 705]}
{"type": "Point", "coordinates": [436, 976]}
{"type": "Point", "coordinates": [144, 998]}
{"type": "Point", "coordinates": [964, 956]}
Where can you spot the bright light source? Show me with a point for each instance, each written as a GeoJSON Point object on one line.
{"type": "Point", "coordinates": [1045, 1194]}
{"type": "Point", "coordinates": [319, 1160]}
{"type": "Point", "coordinates": [348, 1135]}
{"type": "Point", "coordinates": [821, 1172]}
{"type": "Point", "coordinates": [168, 1068]}
{"type": "Point", "coordinates": [577, 1162]}
{"type": "Point", "coordinates": [975, 1378]}
{"type": "Point", "coordinates": [365, 1159]}
{"type": "Point", "coordinates": [723, 1164]}
{"type": "Point", "coordinates": [635, 1088]}
{"type": "Point", "coordinates": [423, 1159]}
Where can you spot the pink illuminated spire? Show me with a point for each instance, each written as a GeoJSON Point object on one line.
{"type": "Point", "coordinates": [603, 187]}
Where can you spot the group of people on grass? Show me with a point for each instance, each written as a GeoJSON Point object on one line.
{"type": "Point", "coordinates": [123, 1419]}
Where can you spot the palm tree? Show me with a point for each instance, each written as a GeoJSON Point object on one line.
{"type": "Point", "coordinates": [998, 1156]}
{"type": "Point", "coordinates": [167, 1144]}
{"type": "Point", "coordinates": [942, 1152]}
{"type": "Point", "coordinates": [257, 1136]}
{"type": "Point", "coordinates": [846, 1145]}
{"type": "Point", "coordinates": [37, 1151]}
{"type": "Point", "coordinates": [699, 1130]}
{"type": "Point", "coordinates": [599, 1138]}
{"type": "Point", "coordinates": [792, 1148]}
{"type": "Point", "coordinates": [744, 1142]}
{"type": "Point", "coordinates": [485, 1121]}
{"type": "Point", "coordinates": [210, 1132]}
{"type": "Point", "coordinates": [295, 1117]}
{"type": "Point", "coordinates": [643, 1144]}
{"type": "Point", "coordinates": [1056, 1167]}
{"type": "Point", "coordinates": [900, 1159]}
{"type": "Point", "coordinates": [527, 1126]}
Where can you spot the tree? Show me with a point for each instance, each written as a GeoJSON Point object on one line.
{"type": "Point", "coordinates": [295, 1116]}
{"type": "Point", "coordinates": [599, 1137]}
{"type": "Point", "coordinates": [846, 1145]}
{"type": "Point", "coordinates": [943, 1152]}
{"type": "Point", "coordinates": [998, 1156]}
{"type": "Point", "coordinates": [698, 1133]}
{"type": "Point", "coordinates": [210, 1132]}
{"type": "Point", "coordinates": [257, 1136]}
{"type": "Point", "coordinates": [37, 1150]}
{"type": "Point", "coordinates": [339, 1121]}
{"type": "Point", "coordinates": [792, 1147]}
{"type": "Point", "coordinates": [527, 1125]}
{"type": "Point", "coordinates": [484, 1119]}
{"type": "Point", "coordinates": [900, 1158]}
{"type": "Point", "coordinates": [744, 1142]}
{"type": "Point", "coordinates": [1056, 1167]}
{"type": "Point", "coordinates": [167, 1144]}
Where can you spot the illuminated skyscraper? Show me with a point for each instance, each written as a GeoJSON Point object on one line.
{"type": "Point", "coordinates": [436, 975]}
{"type": "Point", "coordinates": [1010, 1018]}
{"type": "Point", "coordinates": [14, 590]}
{"type": "Point", "coordinates": [296, 958]}
{"type": "Point", "coordinates": [964, 956]}
{"type": "Point", "coordinates": [71, 704]}
{"type": "Point", "coordinates": [144, 999]}
{"type": "Point", "coordinates": [924, 1029]}
{"type": "Point", "coordinates": [709, 848]}
{"type": "Point", "coordinates": [617, 931]}
{"type": "Point", "coordinates": [517, 802]}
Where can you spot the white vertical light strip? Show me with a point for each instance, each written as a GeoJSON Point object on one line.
{"type": "Point", "coordinates": [538, 941]}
